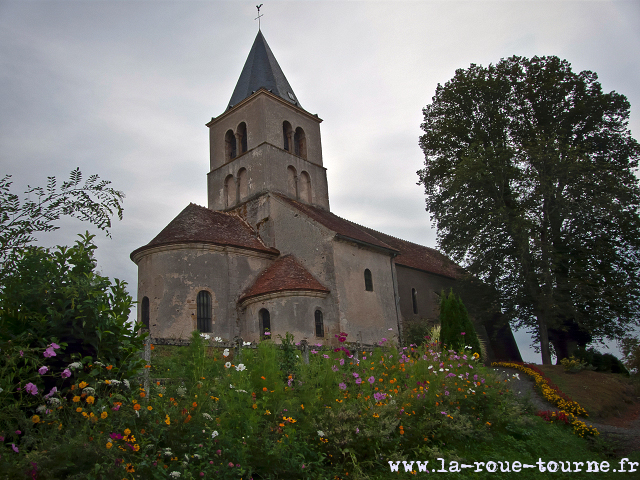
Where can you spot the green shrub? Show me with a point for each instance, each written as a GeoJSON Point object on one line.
{"type": "Point", "coordinates": [457, 331]}
{"type": "Point", "coordinates": [606, 362]}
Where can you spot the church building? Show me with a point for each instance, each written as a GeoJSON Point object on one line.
{"type": "Point", "coordinates": [267, 256]}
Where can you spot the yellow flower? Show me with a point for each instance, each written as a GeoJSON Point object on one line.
{"type": "Point", "coordinates": [79, 409]}
{"type": "Point", "coordinates": [149, 408]}
{"type": "Point", "coordinates": [136, 447]}
{"type": "Point", "coordinates": [83, 384]}
{"type": "Point", "coordinates": [109, 445]}
{"type": "Point", "coordinates": [35, 419]}
{"type": "Point", "coordinates": [167, 420]}
{"type": "Point", "coordinates": [76, 398]}
{"type": "Point", "coordinates": [127, 431]}
{"type": "Point", "coordinates": [103, 415]}
{"type": "Point", "coordinates": [267, 412]}
{"type": "Point", "coordinates": [90, 399]}
{"type": "Point", "coordinates": [85, 414]}
{"type": "Point", "coordinates": [130, 468]}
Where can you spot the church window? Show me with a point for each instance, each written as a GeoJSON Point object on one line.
{"type": "Point", "coordinates": [305, 187]}
{"type": "Point", "coordinates": [145, 311]}
{"type": "Point", "coordinates": [319, 324]}
{"type": "Point", "coordinates": [292, 182]}
{"type": "Point", "coordinates": [414, 300]}
{"type": "Point", "coordinates": [300, 143]}
{"type": "Point", "coordinates": [368, 281]}
{"type": "Point", "coordinates": [287, 135]}
{"type": "Point", "coordinates": [204, 311]}
{"type": "Point", "coordinates": [265, 323]}
{"type": "Point", "coordinates": [242, 183]}
{"type": "Point", "coordinates": [230, 150]}
{"type": "Point", "coordinates": [230, 191]}
{"type": "Point", "coordinates": [241, 135]}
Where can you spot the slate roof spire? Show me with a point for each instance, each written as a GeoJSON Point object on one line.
{"type": "Point", "coordinates": [261, 70]}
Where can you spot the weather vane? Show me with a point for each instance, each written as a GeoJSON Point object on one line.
{"type": "Point", "coordinates": [258, 17]}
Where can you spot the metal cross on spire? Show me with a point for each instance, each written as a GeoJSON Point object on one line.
{"type": "Point", "coordinates": [258, 17]}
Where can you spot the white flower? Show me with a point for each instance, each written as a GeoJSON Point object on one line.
{"type": "Point", "coordinates": [54, 401]}
{"type": "Point", "coordinates": [243, 391]}
{"type": "Point", "coordinates": [205, 336]}
{"type": "Point", "coordinates": [126, 383]}
{"type": "Point", "coordinates": [1, 389]}
{"type": "Point", "coordinates": [441, 370]}
{"type": "Point", "coordinates": [195, 455]}
{"type": "Point", "coordinates": [89, 390]}
{"type": "Point", "coordinates": [245, 344]}
{"type": "Point", "coordinates": [207, 416]}
{"type": "Point", "coordinates": [75, 365]}
{"type": "Point", "coordinates": [175, 474]}
{"type": "Point", "coordinates": [430, 367]}
{"type": "Point", "coordinates": [181, 391]}
{"type": "Point", "coordinates": [41, 409]}
{"type": "Point", "coordinates": [218, 339]}
{"type": "Point", "coordinates": [321, 433]}
{"type": "Point", "coordinates": [230, 386]}
{"type": "Point", "coordinates": [225, 353]}
{"type": "Point", "coordinates": [214, 434]}
{"type": "Point", "coordinates": [115, 382]}
{"type": "Point", "coordinates": [167, 452]}
{"type": "Point", "coordinates": [100, 364]}
{"type": "Point", "coordinates": [227, 365]}
{"type": "Point", "coordinates": [240, 367]}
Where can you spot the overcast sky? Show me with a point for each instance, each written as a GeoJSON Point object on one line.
{"type": "Point", "coordinates": [123, 89]}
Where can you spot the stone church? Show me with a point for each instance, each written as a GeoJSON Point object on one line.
{"type": "Point", "coordinates": [267, 256]}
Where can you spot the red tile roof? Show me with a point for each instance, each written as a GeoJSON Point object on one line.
{"type": "Point", "coordinates": [409, 254]}
{"type": "Point", "coordinates": [196, 224]}
{"type": "Point", "coordinates": [285, 274]}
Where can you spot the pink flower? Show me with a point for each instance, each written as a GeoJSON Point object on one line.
{"type": "Point", "coordinates": [31, 388]}
{"type": "Point", "coordinates": [462, 333]}
{"type": "Point", "coordinates": [342, 386]}
{"type": "Point", "coordinates": [43, 370]}
{"type": "Point", "coordinates": [371, 380]}
{"type": "Point", "coordinates": [52, 392]}
{"type": "Point", "coordinates": [15, 449]}
{"type": "Point", "coordinates": [54, 345]}
{"type": "Point", "coordinates": [334, 368]}
{"type": "Point", "coordinates": [219, 452]}
{"type": "Point", "coordinates": [21, 353]}
{"type": "Point", "coordinates": [202, 474]}
{"type": "Point", "coordinates": [231, 464]}
{"type": "Point", "coordinates": [49, 352]}
{"type": "Point", "coordinates": [66, 373]}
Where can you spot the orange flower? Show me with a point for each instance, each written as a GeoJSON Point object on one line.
{"type": "Point", "coordinates": [264, 389]}
{"type": "Point", "coordinates": [90, 400]}
{"type": "Point", "coordinates": [83, 384]}
{"type": "Point", "coordinates": [152, 347]}
{"type": "Point", "coordinates": [109, 367]}
{"type": "Point", "coordinates": [187, 419]}
{"type": "Point", "coordinates": [103, 415]}
{"type": "Point", "coordinates": [194, 404]}
{"type": "Point", "coordinates": [142, 394]}
{"type": "Point", "coordinates": [136, 406]}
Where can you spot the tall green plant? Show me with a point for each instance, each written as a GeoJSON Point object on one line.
{"type": "Point", "coordinates": [457, 331]}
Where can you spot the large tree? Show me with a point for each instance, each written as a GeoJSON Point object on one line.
{"type": "Point", "coordinates": [529, 178]}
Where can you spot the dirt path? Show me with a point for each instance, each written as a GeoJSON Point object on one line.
{"type": "Point", "coordinates": [623, 432]}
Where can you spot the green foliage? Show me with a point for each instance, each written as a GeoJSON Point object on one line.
{"type": "Point", "coordinates": [94, 201]}
{"type": "Point", "coordinates": [601, 362]}
{"type": "Point", "coordinates": [529, 177]}
{"type": "Point", "coordinates": [57, 294]}
{"type": "Point", "coordinates": [251, 422]}
{"type": "Point", "coordinates": [573, 364]}
{"type": "Point", "coordinates": [630, 347]}
{"type": "Point", "coordinates": [417, 333]}
{"type": "Point", "coordinates": [456, 329]}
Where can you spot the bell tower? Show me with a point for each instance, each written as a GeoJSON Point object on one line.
{"type": "Point", "coordinates": [265, 141]}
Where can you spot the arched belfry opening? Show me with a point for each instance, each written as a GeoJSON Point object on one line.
{"type": "Point", "coordinates": [264, 320]}
{"type": "Point", "coordinates": [300, 143]}
{"type": "Point", "coordinates": [230, 151]}
{"type": "Point", "coordinates": [203, 303]}
{"type": "Point", "coordinates": [241, 138]}
{"type": "Point", "coordinates": [287, 136]}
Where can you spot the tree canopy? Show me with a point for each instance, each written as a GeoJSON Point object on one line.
{"type": "Point", "coordinates": [529, 178]}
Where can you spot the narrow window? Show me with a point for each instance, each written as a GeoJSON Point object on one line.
{"type": "Point", "coordinates": [368, 281]}
{"type": "Point", "coordinates": [204, 311]}
{"type": "Point", "coordinates": [287, 135]}
{"type": "Point", "coordinates": [319, 324]}
{"type": "Point", "coordinates": [265, 323]}
{"type": "Point", "coordinates": [242, 184]}
{"type": "Point", "coordinates": [300, 143]}
{"type": "Point", "coordinates": [414, 300]}
{"type": "Point", "coordinates": [145, 311]}
{"type": "Point", "coordinates": [230, 145]}
{"type": "Point", "coordinates": [292, 182]}
{"type": "Point", "coordinates": [242, 138]}
{"type": "Point", "coordinates": [304, 184]}
{"type": "Point", "coordinates": [230, 191]}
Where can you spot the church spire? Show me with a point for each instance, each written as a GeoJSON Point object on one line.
{"type": "Point", "coordinates": [261, 70]}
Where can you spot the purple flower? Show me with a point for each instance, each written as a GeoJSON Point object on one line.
{"type": "Point", "coordinates": [43, 370]}
{"type": "Point", "coordinates": [51, 393]}
{"type": "Point", "coordinates": [314, 351]}
{"type": "Point", "coordinates": [371, 380]}
{"type": "Point", "coordinates": [55, 345]}
{"type": "Point", "coordinates": [443, 413]}
{"type": "Point", "coordinates": [116, 436]}
{"type": "Point", "coordinates": [342, 386]}
{"type": "Point", "coordinates": [358, 381]}
{"type": "Point", "coordinates": [446, 393]}
{"type": "Point", "coordinates": [21, 353]}
{"type": "Point", "coordinates": [49, 352]}
{"type": "Point", "coordinates": [325, 356]}
{"type": "Point", "coordinates": [66, 373]}
{"type": "Point", "coordinates": [15, 449]}
{"type": "Point", "coordinates": [355, 374]}
{"type": "Point", "coordinates": [31, 388]}
{"type": "Point", "coordinates": [266, 333]}
{"type": "Point", "coordinates": [334, 368]}
{"type": "Point", "coordinates": [116, 408]}
{"type": "Point", "coordinates": [342, 361]}
{"type": "Point", "coordinates": [462, 333]}
{"type": "Point", "coordinates": [1, 438]}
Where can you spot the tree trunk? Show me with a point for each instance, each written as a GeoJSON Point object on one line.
{"type": "Point", "coordinates": [544, 339]}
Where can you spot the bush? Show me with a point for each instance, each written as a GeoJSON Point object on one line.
{"type": "Point", "coordinates": [601, 362]}
{"type": "Point", "coordinates": [457, 331]}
